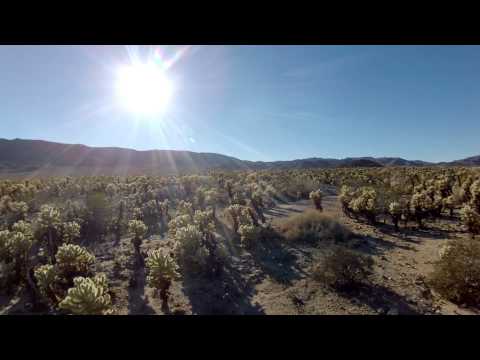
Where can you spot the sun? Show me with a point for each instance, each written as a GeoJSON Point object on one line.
{"type": "Point", "coordinates": [144, 88]}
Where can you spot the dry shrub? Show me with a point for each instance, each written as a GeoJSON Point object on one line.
{"type": "Point", "coordinates": [456, 275]}
{"type": "Point", "coordinates": [312, 226]}
{"type": "Point", "coordinates": [342, 268]}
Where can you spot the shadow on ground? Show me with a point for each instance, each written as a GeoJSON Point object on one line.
{"type": "Point", "coordinates": [137, 304]}
{"type": "Point", "coordinates": [228, 293]}
{"type": "Point", "coordinates": [381, 299]}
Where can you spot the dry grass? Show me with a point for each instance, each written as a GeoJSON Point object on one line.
{"type": "Point", "coordinates": [312, 227]}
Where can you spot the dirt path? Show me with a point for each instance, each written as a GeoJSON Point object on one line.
{"type": "Point", "coordinates": [403, 260]}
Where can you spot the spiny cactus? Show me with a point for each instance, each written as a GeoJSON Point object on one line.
{"type": "Point", "coordinates": [471, 219]}
{"type": "Point", "coordinates": [420, 205]}
{"type": "Point", "coordinates": [316, 197]}
{"type": "Point", "coordinates": [249, 234]}
{"type": "Point", "coordinates": [89, 296]}
{"type": "Point", "coordinates": [137, 228]}
{"type": "Point", "coordinates": [395, 211]}
{"type": "Point", "coordinates": [162, 269]}
{"type": "Point", "coordinates": [70, 231]}
{"type": "Point", "coordinates": [190, 250]}
{"type": "Point", "coordinates": [74, 259]}
{"type": "Point", "coordinates": [49, 217]}
{"type": "Point", "coordinates": [365, 204]}
{"type": "Point", "coordinates": [47, 277]}
{"type": "Point", "coordinates": [177, 223]}
{"type": "Point", "coordinates": [49, 221]}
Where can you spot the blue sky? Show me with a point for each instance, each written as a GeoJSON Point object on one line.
{"type": "Point", "coordinates": [254, 102]}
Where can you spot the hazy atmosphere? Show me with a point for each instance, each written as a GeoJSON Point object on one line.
{"type": "Point", "coordinates": [251, 102]}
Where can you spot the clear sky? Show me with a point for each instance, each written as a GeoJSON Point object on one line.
{"type": "Point", "coordinates": [253, 102]}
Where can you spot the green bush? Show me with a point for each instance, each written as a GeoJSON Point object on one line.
{"type": "Point", "coordinates": [456, 275]}
{"type": "Point", "coordinates": [342, 268]}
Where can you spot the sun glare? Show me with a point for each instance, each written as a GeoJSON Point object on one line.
{"type": "Point", "coordinates": [144, 88]}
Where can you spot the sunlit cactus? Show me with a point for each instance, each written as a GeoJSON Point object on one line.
{"type": "Point", "coordinates": [138, 229]}
{"type": "Point", "coordinates": [46, 277]}
{"type": "Point", "coordinates": [365, 204]}
{"type": "Point", "coordinates": [205, 221]}
{"type": "Point", "coordinates": [177, 223]}
{"type": "Point", "coordinates": [421, 205]}
{"type": "Point", "coordinates": [184, 208]}
{"type": "Point", "coordinates": [162, 269]}
{"type": "Point", "coordinates": [190, 250]}
{"type": "Point", "coordinates": [316, 197]}
{"type": "Point", "coordinates": [249, 235]}
{"type": "Point", "coordinates": [74, 259]}
{"type": "Point", "coordinates": [471, 219]}
{"type": "Point", "coordinates": [395, 211]}
{"type": "Point", "coordinates": [49, 220]}
{"type": "Point", "coordinates": [89, 296]}
{"type": "Point", "coordinates": [49, 217]}
{"type": "Point", "coordinates": [70, 231]}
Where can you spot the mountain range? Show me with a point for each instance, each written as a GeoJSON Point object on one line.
{"type": "Point", "coordinates": [20, 157]}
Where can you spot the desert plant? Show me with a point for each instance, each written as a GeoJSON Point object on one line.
{"type": "Point", "coordinates": [162, 269]}
{"type": "Point", "coordinates": [456, 274]}
{"type": "Point", "coordinates": [73, 260]}
{"type": "Point", "coordinates": [316, 197]}
{"type": "Point", "coordinates": [89, 296]}
{"type": "Point", "coordinates": [342, 268]}
{"type": "Point", "coordinates": [138, 229]}
{"type": "Point", "coordinates": [471, 219]}
{"type": "Point", "coordinates": [249, 234]}
{"type": "Point", "coordinates": [50, 222]}
{"type": "Point", "coordinates": [312, 226]}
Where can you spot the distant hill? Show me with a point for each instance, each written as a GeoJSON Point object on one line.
{"type": "Point", "coordinates": [20, 157]}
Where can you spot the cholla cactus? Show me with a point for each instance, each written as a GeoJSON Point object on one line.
{"type": "Point", "coordinates": [88, 297]}
{"type": "Point", "coordinates": [346, 196]}
{"type": "Point", "coordinates": [184, 208]}
{"type": "Point", "coordinates": [475, 193]}
{"type": "Point", "coordinates": [239, 215]}
{"type": "Point", "coordinates": [471, 219]}
{"type": "Point", "coordinates": [204, 221]}
{"type": "Point", "coordinates": [249, 234]}
{"type": "Point", "coordinates": [190, 250]}
{"type": "Point", "coordinates": [137, 228]}
{"type": "Point", "coordinates": [162, 269]}
{"type": "Point", "coordinates": [365, 204]}
{"type": "Point", "coordinates": [421, 205]}
{"type": "Point", "coordinates": [70, 231]}
{"type": "Point", "coordinates": [49, 221]}
{"type": "Point", "coordinates": [49, 217]}
{"type": "Point", "coordinates": [395, 211]}
{"type": "Point", "coordinates": [316, 197]}
{"type": "Point", "coordinates": [47, 276]}
{"type": "Point", "coordinates": [23, 227]}
{"type": "Point", "coordinates": [73, 259]}
{"type": "Point", "coordinates": [177, 223]}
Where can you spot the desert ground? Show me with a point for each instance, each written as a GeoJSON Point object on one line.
{"type": "Point", "coordinates": [276, 278]}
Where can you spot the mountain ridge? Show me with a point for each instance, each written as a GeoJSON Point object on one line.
{"type": "Point", "coordinates": [46, 158]}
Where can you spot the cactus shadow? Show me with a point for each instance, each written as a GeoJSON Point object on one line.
{"type": "Point", "coordinates": [137, 302]}
{"type": "Point", "coordinates": [229, 293]}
